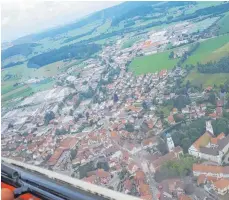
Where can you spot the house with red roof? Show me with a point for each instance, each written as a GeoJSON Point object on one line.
{"type": "Point", "coordinates": [132, 167]}
{"type": "Point", "coordinates": [173, 155]}
{"type": "Point", "coordinates": [139, 176]}
{"type": "Point", "coordinates": [149, 142]}
{"type": "Point", "coordinates": [171, 119]}
{"type": "Point", "coordinates": [127, 185]}
{"type": "Point", "coordinates": [211, 171]}
{"type": "Point", "coordinates": [221, 186]}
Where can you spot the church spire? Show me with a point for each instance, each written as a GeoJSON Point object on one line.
{"type": "Point", "coordinates": [209, 127]}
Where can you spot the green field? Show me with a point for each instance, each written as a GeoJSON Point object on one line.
{"type": "Point", "coordinates": [217, 54]}
{"type": "Point", "coordinates": [207, 79]}
{"type": "Point", "coordinates": [104, 27]}
{"type": "Point", "coordinates": [21, 73]}
{"type": "Point", "coordinates": [26, 90]}
{"type": "Point", "coordinates": [209, 50]}
{"type": "Point", "coordinates": [152, 63]}
{"type": "Point", "coordinates": [20, 92]}
{"type": "Point", "coordinates": [206, 49]}
{"type": "Point", "coordinates": [224, 24]}
{"type": "Point", "coordinates": [129, 43]}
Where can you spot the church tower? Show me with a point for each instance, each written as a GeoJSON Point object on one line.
{"type": "Point", "coordinates": [170, 143]}
{"type": "Point", "coordinates": [209, 127]}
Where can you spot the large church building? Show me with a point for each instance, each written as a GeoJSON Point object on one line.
{"type": "Point", "coordinates": [209, 147]}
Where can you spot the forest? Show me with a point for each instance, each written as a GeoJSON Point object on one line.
{"type": "Point", "coordinates": [220, 66]}
{"type": "Point", "coordinates": [22, 49]}
{"type": "Point", "coordinates": [74, 51]}
{"type": "Point", "coordinates": [11, 64]}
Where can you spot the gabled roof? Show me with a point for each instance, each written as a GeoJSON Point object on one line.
{"type": "Point", "coordinates": [170, 118]}
{"type": "Point", "coordinates": [210, 169]}
{"type": "Point", "coordinates": [68, 142]}
{"type": "Point", "coordinates": [140, 175]}
{"type": "Point", "coordinates": [202, 141]}
{"type": "Point", "coordinates": [152, 140]}
{"type": "Point", "coordinates": [223, 142]}
{"type": "Point", "coordinates": [221, 184]}
{"type": "Point", "coordinates": [184, 197]}
{"type": "Point", "coordinates": [201, 179]}
{"type": "Point", "coordinates": [54, 158]}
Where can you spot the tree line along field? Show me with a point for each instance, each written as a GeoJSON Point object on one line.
{"type": "Point", "coordinates": [211, 50]}
{"type": "Point", "coordinates": [208, 50]}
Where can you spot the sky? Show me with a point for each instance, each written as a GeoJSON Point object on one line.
{"type": "Point", "coordinates": [22, 17]}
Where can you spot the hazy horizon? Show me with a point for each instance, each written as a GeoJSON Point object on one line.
{"type": "Point", "coordinates": [18, 18]}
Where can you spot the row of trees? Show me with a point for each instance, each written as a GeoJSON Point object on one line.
{"type": "Point", "coordinates": [188, 53]}
{"type": "Point", "coordinates": [220, 66]}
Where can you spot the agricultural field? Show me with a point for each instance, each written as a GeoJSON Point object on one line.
{"type": "Point", "coordinates": [203, 24]}
{"type": "Point", "coordinates": [107, 40]}
{"type": "Point", "coordinates": [207, 49]}
{"type": "Point", "coordinates": [206, 80]}
{"type": "Point", "coordinates": [17, 93]}
{"type": "Point", "coordinates": [152, 63]}
{"type": "Point", "coordinates": [85, 28]}
{"type": "Point", "coordinates": [217, 54]}
{"type": "Point", "coordinates": [104, 27]}
{"type": "Point", "coordinates": [24, 90]}
{"type": "Point", "coordinates": [224, 24]}
{"type": "Point", "coordinates": [200, 5]}
{"type": "Point", "coordinates": [129, 43]}
{"type": "Point", "coordinates": [11, 77]}
{"type": "Point", "coordinates": [23, 73]}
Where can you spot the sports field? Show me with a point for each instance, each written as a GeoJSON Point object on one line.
{"type": "Point", "coordinates": [152, 63]}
